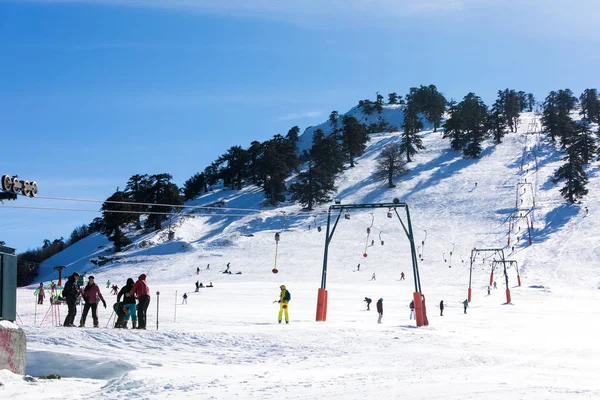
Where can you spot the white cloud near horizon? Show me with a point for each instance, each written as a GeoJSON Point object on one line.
{"type": "Point", "coordinates": [300, 115]}
{"type": "Point", "coordinates": [546, 17]}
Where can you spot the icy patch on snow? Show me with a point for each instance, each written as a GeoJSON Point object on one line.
{"type": "Point", "coordinates": [41, 363]}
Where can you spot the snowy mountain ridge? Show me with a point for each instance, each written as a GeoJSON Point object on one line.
{"type": "Point", "coordinates": [461, 204]}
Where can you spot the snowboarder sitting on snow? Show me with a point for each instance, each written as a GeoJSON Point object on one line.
{"type": "Point", "coordinates": [210, 285]}
{"type": "Point", "coordinates": [368, 301]}
{"type": "Point", "coordinates": [91, 296]}
{"type": "Point", "coordinates": [284, 299]}
{"type": "Point", "coordinates": [127, 306]}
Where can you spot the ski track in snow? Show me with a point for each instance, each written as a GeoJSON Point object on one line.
{"type": "Point", "coordinates": [226, 342]}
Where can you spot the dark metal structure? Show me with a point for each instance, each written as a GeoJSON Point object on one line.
{"type": "Point", "coordinates": [419, 299]}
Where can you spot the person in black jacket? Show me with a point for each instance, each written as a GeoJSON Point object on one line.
{"type": "Point", "coordinates": [380, 310]}
{"type": "Point", "coordinates": [70, 293]}
{"type": "Point", "coordinates": [127, 304]}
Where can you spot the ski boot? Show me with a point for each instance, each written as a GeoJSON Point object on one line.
{"type": "Point", "coordinates": [134, 324]}
{"type": "Point", "coordinates": [124, 324]}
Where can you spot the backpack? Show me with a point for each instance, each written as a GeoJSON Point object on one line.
{"type": "Point", "coordinates": [287, 296]}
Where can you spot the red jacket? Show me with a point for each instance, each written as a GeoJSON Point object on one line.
{"type": "Point", "coordinates": [91, 294]}
{"type": "Point", "coordinates": [140, 288]}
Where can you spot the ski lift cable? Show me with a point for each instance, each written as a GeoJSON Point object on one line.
{"type": "Point", "coordinates": [118, 211]}
{"type": "Point", "coordinates": [148, 204]}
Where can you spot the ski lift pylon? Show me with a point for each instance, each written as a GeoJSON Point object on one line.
{"type": "Point", "coordinates": [277, 238]}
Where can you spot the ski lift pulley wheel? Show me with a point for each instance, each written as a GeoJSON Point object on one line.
{"type": "Point", "coordinates": [275, 270]}
{"type": "Point", "coordinates": [365, 254]}
{"type": "Point", "coordinates": [277, 237]}
{"type": "Point", "coordinates": [319, 228]}
{"type": "Point", "coordinates": [368, 230]}
{"type": "Point", "coordinates": [6, 183]}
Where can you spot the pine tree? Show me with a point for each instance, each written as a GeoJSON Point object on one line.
{"type": "Point", "coordinates": [429, 101]}
{"type": "Point", "coordinates": [573, 174]}
{"type": "Point", "coordinates": [313, 186]}
{"type": "Point", "coordinates": [292, 136]}
{"type": "Point", "coordinates": [255, 152]}
{"type": "Point", "coordinates": [379, 103]}
{"type": "Point", "coordinates": [137, 190]}
{"type": "Point", "coordinates": [390, 164]}
{"type": "Point", "coordinates": [393, 98]}
{"type": "Point", "coordinates": [453, 128]}
{"type": "Point", "coordinates": [411, 142]}
{"type": "Point", "coordinates": [194, 186]}
{"type": "Point", "coordinates": [475, 124]}
{"type": "Point", "coordinates": [233, 166]}
{"type": "Point", "coordinates": [334, 121]}
{"type": "Point", "coordinates": [115, 216]}
{"type": "Point", "coordinates": [550, 117]}
{"type": "Point", "coordinates": [327, 154]}
{"type": "Point", "coordinates": [163, 191]}
{"type": "Point", "coordinates": [530, 102]}
{"type": "Point", "coordinates": [275, 164]}
{"type": "Point", "coordinates": [590, 105]}
{"type": "Point", "coordinates": [497, 122]}
{"type": "Point", "coordinates": [583, 142]}
{"type": "Point", "coordinates": [354, 138]}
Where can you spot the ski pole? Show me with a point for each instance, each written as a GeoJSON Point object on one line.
{"type": "Point", "coordinates": [157, 301]}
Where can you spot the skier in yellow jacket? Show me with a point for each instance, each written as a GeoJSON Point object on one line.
{"type": "Point", "coordinates": [284, 299]}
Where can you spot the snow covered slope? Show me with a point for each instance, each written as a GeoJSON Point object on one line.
{"type": "Point", "coordinates": [226, 343]}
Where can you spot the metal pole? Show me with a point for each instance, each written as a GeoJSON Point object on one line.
{"type": "Point", "coordinates": [324, 273]}
{"type": "Point", "coordinates": [157, 302]}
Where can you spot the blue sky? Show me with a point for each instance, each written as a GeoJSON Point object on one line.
{"type": "Point", "coordinates": [95, 91]}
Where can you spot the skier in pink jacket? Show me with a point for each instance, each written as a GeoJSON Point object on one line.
{"type": "Point", "coordinates": [91, 296]}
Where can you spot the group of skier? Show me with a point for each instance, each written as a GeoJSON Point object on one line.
{"type": "Point", "coordinates": [92, 296]}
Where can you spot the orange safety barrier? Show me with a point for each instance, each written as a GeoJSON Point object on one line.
{"type": "Point", "coordinates": [425, 320]}
{"type": "Point", "coordinates": [322, 305]}
{"type": "Point", "coordinates": [418, 308]}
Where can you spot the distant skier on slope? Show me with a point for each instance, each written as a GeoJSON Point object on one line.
{"type": "Point", "coordinates": [368, 301]}
{"type": "Point", "coordinates": [441, 308]}
{"type": "Point", "coordinates": [466, 305]}
{"type": "Point", "coordinates": [184, 301]}
{"type": "Point", "coordinates": [380, 310]}
{"type": "Point", "coordinates": [197, 270]}
{"type": "Point", "coordinates": [374, 277]}
{"type": "Point", "coordinates": [412, 310]}
{"type": "Point", "coordinates": [284, 299]}
{"type": "Point", "coordinates": [402, 276]}
{"type": "Point", "coordinates": [108, 283]}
